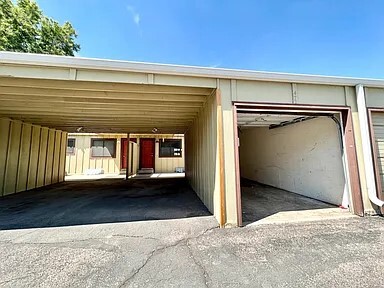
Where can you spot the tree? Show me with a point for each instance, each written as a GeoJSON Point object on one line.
{"type": "Point", "coordinates": [24, 28]}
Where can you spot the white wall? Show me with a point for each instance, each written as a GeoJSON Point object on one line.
{"type": "Point", "coordinates": [304, 158]}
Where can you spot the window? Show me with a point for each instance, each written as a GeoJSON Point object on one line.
{"type": "Point", "coordinates": [103, 147]}
{"type": "Point", "coordinates": [71, 146]}
{"type": "Point", "coordinates": [170, 148]}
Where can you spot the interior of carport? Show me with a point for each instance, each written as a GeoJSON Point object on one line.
{"type": "Point", "coordinates": [37, 114]}
{"type": "Point", "coordinates": [290, 161]}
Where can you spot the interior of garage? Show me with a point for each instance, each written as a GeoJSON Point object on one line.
{"type": "Point", "coordinates": [290, 162]}
{"type": "Point", "coordinates": [59, 107]}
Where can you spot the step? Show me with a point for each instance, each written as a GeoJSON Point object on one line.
{"type": "Point", "coordinates": [146, 171]}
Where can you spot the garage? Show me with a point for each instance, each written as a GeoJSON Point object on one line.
{"type": "Point", "coordinates": [291, 161]}
{"type": "Point", "coordinates": [47, 97]}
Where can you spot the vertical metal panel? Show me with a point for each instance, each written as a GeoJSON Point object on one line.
{"type": "Point", "coordinates": [201, 157]}
{"type": "Point", "coordinates": [4, 139]}
{"type": "Point", "coordinates": [34, 157]}
{"type": "Point", "coordinates": [50, 154]}
{"type": "Point", "coordinates": [63, 151]}
{"type": "Point", "coordinates": [42, 157]}
{"type": "Point", "coordinates": [25, 147]}
{"type": "Point", "coordinates": [25, 160]}
{"type": "Point", "coordinates": [12, 158]}
{"type": "Point", "coordinates": [56, 157]}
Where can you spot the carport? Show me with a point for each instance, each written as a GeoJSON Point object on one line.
{"type": "Point", "coordinates": [293, 158]}
{"type": "Point", "coordinates": [45, 97]}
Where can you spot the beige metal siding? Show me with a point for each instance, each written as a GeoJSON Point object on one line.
{"type": "Point", "coordinates": [34, 157]}
{"type": "Point", "coordinates": [12, 158]}
{"type": "Point", "coordinates": [374, 97]}
{"type": "Point", "coordinates": [320, 94]}
{"type": "Point", "coordinates": [22, 158]}
{"type": "Point", "coordinates": [4, 135]}
{"type": "Point", "coordinates": [168, 164]}
{"type": "Point", "coordinates": [378, 128]}
{"type": "Point", "coordinates": [252, 91]}
{"type": "Point", "coordinates": [25, 148]}
{"type": "Point", "coordinates": [202, 159]}
{"type": "Point", "coordinates": [82, 160]}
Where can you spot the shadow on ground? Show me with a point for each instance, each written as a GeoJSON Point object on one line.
{"type": "Point", "coordinates": [100, 201]}
{"type": "Point", "coordinates": [260, 201]}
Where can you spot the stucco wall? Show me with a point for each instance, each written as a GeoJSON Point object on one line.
{"type": "Point", "coordinates": [30, 156]}
{"type": "Point", "coordinates": [304, 158]}
{"type": "Point", "coordinates": [202, 159]}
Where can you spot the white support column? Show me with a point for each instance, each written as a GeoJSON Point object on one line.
{"type": "Point", "coordinates": [366, 145]}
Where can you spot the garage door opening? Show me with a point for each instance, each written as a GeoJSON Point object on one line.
{"type": "Point", "coordinates": [291, 161]}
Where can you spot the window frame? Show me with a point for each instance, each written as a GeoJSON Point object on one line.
{"type": "Point", "coordinates": [73, 152]}
{"type": "Point", "coordinates": [104, 139]}
{"type": "Point", "coordinates": [171, 139]}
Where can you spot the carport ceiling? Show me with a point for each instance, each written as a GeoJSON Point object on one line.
{"type": "Point", "coordinates": [100, 106]}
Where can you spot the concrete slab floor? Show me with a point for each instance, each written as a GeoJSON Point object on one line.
{"type": "Point", "coordinates": [265, 204]}
{"type": "Point", "coordinates": [192, 252]}
{"type": "Point", "coordinates": [100, 201]}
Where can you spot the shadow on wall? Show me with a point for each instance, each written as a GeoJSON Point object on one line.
{"type": "Point", "coordinates": [100, 201]}
{"type": "Point", "coordinates": [260, 201]}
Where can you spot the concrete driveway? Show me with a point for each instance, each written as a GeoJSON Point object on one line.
{"type": "Point", "coordinates": [192, 252]}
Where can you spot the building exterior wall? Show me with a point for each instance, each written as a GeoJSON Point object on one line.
{"type": "Point", "coordinates": [234, 86]}
{"type": "Point", "coordinates": [202, 157]}
{"type": "Point", "coordinates": [305, 158]}
{"type": "Point", "coordinates": [31, 156]}
{"type": "Point", "coordinates": [81, 160]}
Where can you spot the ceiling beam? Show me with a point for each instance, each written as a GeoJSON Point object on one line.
{"type": "Point", "coordinates": [101, 86]}
{"type": "Point", "coordinates": [141, 96]}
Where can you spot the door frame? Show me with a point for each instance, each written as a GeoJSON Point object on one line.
{"type": "Point", "coordinates": [348, 142]}
{"type": "Point", "coordinates": [122, 162]}
{"type": "Point", "coordinates": [154, 151]}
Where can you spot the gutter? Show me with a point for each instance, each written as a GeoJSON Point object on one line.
{"type": "Point", "coordinates": [15, 58]}
{"type": "Point", "coordinates": [366, 145]}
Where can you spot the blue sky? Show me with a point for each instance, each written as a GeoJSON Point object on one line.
{"type": "Point", "coordinates": [332, 37]}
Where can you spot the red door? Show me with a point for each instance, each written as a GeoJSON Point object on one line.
{"type": "Point", "coordinates": [147, 153]}
{"type": "Point", "coordinates": [124, 153]}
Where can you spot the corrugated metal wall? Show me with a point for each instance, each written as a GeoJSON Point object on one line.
{"type": "Point", "coordinates": [31, 156]}
{"type": "Point", "coordinates": [202, 158]}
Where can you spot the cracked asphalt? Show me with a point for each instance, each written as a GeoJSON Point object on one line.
{"type": "Point", "coordinates": [193, 252]}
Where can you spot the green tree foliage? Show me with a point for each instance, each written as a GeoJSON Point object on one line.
{"type": "Point", "coordinates": [24, 28]}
